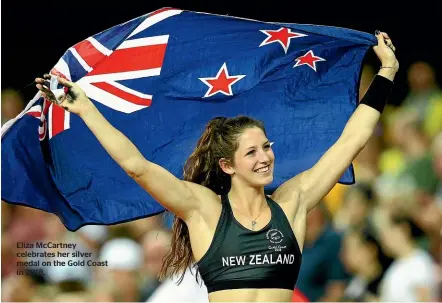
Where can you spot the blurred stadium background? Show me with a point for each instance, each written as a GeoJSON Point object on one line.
{"type": "Point", "coordinates": [377, 240]}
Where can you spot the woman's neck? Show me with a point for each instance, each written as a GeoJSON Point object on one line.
{"type": "Point", "coordinates": [248, 199]}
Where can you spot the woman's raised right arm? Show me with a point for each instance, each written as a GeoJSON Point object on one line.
{"type": "Point", "coordinates": [180, 197]}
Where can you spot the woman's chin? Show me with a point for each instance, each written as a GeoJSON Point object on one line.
{"type": "Point", "coordinates": [264, 180]}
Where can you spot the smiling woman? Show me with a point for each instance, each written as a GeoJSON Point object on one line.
{"type": "Point", "coordinates": [226, 153]}
{"type": "Point", "coordinates": [247, 246]}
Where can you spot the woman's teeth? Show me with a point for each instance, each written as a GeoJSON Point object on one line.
{"type": "Point", "coordinates": [263, 169]}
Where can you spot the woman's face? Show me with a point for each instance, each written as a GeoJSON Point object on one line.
{"type": "Point", "coordinates": [254, 158]}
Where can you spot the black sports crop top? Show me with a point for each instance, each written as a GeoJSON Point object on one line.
{"type": "Point", "coordinates": [241, 258]}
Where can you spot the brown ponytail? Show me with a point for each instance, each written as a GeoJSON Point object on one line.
{"type": "Point", "coordinates": [219, 140]}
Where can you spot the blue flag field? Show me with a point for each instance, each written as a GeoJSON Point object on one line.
{"type": "Point", "coordinates": [159, 79]}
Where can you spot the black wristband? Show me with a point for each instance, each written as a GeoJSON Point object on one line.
{"type": "Point", "coordinates": [378, 93]}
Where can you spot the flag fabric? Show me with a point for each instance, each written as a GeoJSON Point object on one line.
{"type": "Point", "coordinates": [159, 79]}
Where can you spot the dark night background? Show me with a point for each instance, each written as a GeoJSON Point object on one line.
{"type": "Point", "coordinates": [37, 33]}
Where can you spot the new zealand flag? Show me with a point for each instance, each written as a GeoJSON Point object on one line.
{"type": "Point", "coordinates": [159, 79]}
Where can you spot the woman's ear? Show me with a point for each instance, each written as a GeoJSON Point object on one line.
{"type": "Point", "coordinates": [226, 166]}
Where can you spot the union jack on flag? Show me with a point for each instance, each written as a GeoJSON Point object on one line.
{"type": "Point", "coordinates": [159, 79]}
{"type": "Point", "coordinates": [99, 64]}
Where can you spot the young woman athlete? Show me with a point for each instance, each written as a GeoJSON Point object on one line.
{"type": "Point", "coordinates": [247, 245]}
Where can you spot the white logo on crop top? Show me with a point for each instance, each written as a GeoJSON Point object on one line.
{"type": "Point", "coordinates": [275, 236]}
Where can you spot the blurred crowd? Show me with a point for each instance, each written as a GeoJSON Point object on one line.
{"type": "Point", "coordinates": [376, 240]}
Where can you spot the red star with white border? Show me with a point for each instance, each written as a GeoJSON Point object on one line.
{"type": "Point", "coordinates": [310, 59]}
{"type": "Point", "coordinates": [282, 36]}
{"type": "Point", "coordinates": [221, 83]}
